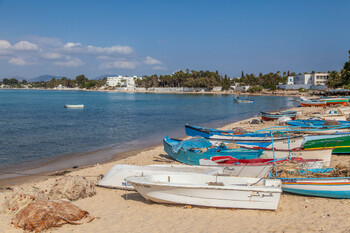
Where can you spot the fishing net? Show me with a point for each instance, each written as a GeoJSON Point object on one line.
{"type": "Point", "coordinates": [232, 145]}
{"type": "Point", "coordinates": [291, 170]}
{"type": "Point", "coordinates": [331, 122]}
{"type": "Point", "coordinates": [72, 188]}
{"type": "Point", "coordinates": [19, 198]}
{"type": "Point", "coordinates": [43, 215]}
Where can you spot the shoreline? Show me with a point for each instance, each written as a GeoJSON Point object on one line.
{"type": "Point", "coordinates": [127, 211]}
{"type": "Point", "coordinates": [285, 93]}
{"type": "Point", "coordinates": [76, 161]}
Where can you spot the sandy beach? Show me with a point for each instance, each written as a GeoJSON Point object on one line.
{"type": "Point", "coordinates": [127, 211]}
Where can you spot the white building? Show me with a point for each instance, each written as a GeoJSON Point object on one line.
{"type": "Point", "coordinates": [121, 81]}
{"type": "Point", "coordinates": [306, 81]}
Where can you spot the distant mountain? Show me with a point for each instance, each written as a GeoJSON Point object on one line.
{"type": "Point", "coordinates": [45, 77]}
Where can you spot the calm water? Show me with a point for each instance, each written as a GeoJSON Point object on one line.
{"type": "Point", "coordinates": [34, 124]}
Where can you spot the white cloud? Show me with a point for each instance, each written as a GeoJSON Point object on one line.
{"type": "Point", "coordinates": [25, 46]}
{"type": "Point", "coordinates": [18, 61]}
{"type": "Point", "coordinates": [52, 51]}
{"type": "Point", "coordinates": [4, 44]}
{"type": "Point", "coordinates": [152, 61]}
{"type": "Point", "coordinates": [90, 49]}
{"type": "Point", "coordinates": [70, 62]}
{"type": "Point", "coordinates": [119, 65]}
{"type": "Point", "coordinates": [70, 45]}
{"type": "Point", "coordinates": [51, 56]}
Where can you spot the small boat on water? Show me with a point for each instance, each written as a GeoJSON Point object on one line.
{"type": "Point", "coordinates": [74, 106]}
{"type": "Point", "coordinates": [192, 150]}
{"type": "Point", "coordinates": [114, 178]}
{"type": "Point", "coordinates": [209, 190]}
{"type": "Point", "coordinates": [270, 116]}
{"type": "Point", "coordinates": [243, 101]}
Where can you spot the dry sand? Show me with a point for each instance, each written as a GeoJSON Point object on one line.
{"type": "Point", "coordinates": [126, 211]}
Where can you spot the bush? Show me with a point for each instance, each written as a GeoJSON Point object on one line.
{"type": "Point", "coordinates": [256, 88]}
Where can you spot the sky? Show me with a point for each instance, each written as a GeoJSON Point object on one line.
{"type": "Point", "coordinates": [134, 37]}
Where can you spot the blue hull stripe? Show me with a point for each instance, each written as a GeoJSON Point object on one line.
{"type": "Point", "coordinates": [318, 193]}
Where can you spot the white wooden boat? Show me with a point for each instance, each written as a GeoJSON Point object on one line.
{"type": "Point", "coordinates": [322, 154]}
{"type": "Point", "coordinates": [114, 178]}
{"type": "Point", "coordinates": [295, 142]}
{"type": "Point", "coordinates": [209, 190]}
{"type": "Point", "coordinates": [74, 106]}
{"type": "Point", "coordinates": [241, 170]}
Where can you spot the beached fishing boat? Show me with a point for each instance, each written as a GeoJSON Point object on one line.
{"type": "Point", "coordinates": [74, 106]}
{"type": "Point", "coordinates": [294, 142]}
{"type": "Point", "coordinates": [340, 143]}
{"type": "Point", "coordinates": [322, 153]}
{"type": "Point", "coordinates": [312, 103]}
{"type": "Point", "coordinates": [270, 116]}
{"type": "Point", "coordinates": [333, 101]}
{"type": "Point", "coordinates": [192, 150]}
{"type": "Point", "coordinates": [229, 135]}
{"type": "Point", "coordinates": [209, 190]}
{"type": "Point", "coordinates": [318, 123]}
{"type": "Point", "coordinates": [114, 178]}
{"type": "Point", "coordinates": [330, 187]}
{"type": "Point", "coordinates": [256, 167]}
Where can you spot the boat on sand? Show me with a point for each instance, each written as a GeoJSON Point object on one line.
{"type": "Point", "coordinates": [209, 190]}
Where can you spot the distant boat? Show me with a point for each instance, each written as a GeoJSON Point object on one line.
{"type": "Point", "coordinates": [243, 101]}
{"type": "Point", "coordinates": [74, 106]}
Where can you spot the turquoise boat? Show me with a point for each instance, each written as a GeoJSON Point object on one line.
{"type": "Point", "coordinates": [330, 187]}
{"type": "Point", "coordinates": [192, 150]}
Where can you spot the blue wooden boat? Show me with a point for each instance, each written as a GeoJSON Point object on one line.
{"type": "Point", "coordinates": [331, 187]}
{"type": "Point", "coordinates": [192, 150]}
{"type": "Point", "coordinates": [229, 135]}
{"type": "Point", "coordinates": [317, 123]}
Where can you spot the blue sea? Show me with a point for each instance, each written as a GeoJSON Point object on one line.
{"type": "Point", "coordinates": [35, 126]}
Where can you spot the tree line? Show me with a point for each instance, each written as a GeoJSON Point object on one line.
{"type": "Point", "coordinates": [340, 78]}
{"type": "Point", "coordinates": [80, 81]}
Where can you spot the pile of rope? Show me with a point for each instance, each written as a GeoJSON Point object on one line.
{"type": "Point", "coordinates": [43, 215]}
{"type": "Point", "coordinates": [295, 171]}
{"type": "Point", "coordinates": [19, 198]}
{"type": "Point", "coordinates": [72, 188]}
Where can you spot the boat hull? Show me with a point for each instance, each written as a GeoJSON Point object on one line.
{"type": "Point", "coordinates": [114, 178]}
{"type": "Point", "coordinates": [324, 154]}
{"type": "Point", "coordinates": [312, 104]}
{"type": "Point", "coordinates": [319, 187]}
{"type": "Point", "coordinates": [294, 142]}
{"type": "Point", "coordinates": [210, 191]}
{"type": "Point", "coordinates": [340, 144]}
